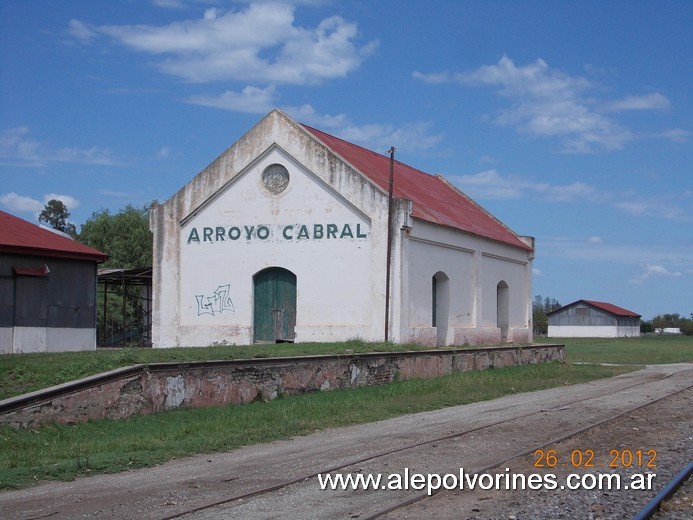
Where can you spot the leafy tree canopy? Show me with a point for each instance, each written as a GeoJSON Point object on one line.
{"type": "Point", "coordinates": [674, 321]}
{"type": "Point", "coordinates": [125, 236]}
{"type": "Point", "coordinates": [540, 307]}
{"type": "Point", "coordinates": [55, 215]}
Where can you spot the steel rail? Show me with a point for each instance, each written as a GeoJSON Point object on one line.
{"type": "Point", "coordinates": [562, 438]}
{"type": "Point", "coordinates": [411, 446]}
{"type": "Point", "coordinates": [653, 505]}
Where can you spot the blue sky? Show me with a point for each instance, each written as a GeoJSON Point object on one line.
{"type": "Point", "coordinates": [570, 121]}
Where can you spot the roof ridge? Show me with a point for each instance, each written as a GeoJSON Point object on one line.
{"type": "Point", "coordinates": [379, 155]}
{"type": "Point", "coordinates": [471, 200]}
{"type": "Point", "coordinates": [433, 201]}
{"type": "Point", "coordinates": [605, 306]}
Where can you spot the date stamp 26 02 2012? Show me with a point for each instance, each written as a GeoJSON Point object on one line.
{"type": "Point", "coordinates": [587, 458]}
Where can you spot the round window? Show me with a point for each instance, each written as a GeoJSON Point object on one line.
{"type": "Point", "coordinates": [275, 178]}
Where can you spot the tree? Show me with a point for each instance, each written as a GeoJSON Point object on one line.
{"type": "Point", "coordinates": [674, 321]}
{"type": "Point", "coordinates": [687, 327]}
{"type": "Point", "coordinates": [540, 308]}
{"type": "Point", "coordinates": [646, 327]}
{"type": "Point", "coordinates": [125, 236]}
{"type": "Point", "coordinates": [55, 215]}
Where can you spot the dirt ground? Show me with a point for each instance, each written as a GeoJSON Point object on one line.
{"type": "Point", "coordinates": [656, 440]}
{"type": "Point", "coordinates": [501, 429]}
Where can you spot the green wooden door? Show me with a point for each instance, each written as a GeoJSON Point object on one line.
{"type": "Point", "coordinates": [275, 305]}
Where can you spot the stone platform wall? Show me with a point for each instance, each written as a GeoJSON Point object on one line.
{"type": "Point", "coordinates": [146, 389]}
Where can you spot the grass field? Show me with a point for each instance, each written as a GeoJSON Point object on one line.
{"type": "Point", "coordinates": [648, 350]}
{"type": "Point", "coordinates": [66, 451]}
{"type": "Point", "coordinates": [22, 373]}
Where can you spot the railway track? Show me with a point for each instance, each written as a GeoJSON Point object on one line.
{"type": "Point", "coordinates": [299, 497]}
{"type": "Point", "coordinates": [654, 505]}
{"type": "Point", "coordinates": [279, 480]}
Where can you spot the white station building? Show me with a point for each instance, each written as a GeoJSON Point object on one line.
{"type": "Point", "coordinates": [284, 237]}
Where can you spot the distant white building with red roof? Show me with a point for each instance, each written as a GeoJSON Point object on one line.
{"type": "Point", "coordinates": [284, 237]}
{"type": "Point", "coordinates": [47, 289]}
{"type": "Point", "coordinates": [592, 319]}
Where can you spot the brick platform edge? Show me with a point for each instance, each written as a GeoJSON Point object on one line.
{"type": "Point", "coordinates": [146, 389]}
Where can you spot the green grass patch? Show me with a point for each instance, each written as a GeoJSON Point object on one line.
{"type": "Point", "coordinates": [22, 373]}
{"type": "Point", "coordinates": [646, 350]}
{"type": "Point", "coordinates": [63, 452]}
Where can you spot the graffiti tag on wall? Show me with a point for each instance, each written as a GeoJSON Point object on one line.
{"type": "Point", "coordinates": [219, 302]}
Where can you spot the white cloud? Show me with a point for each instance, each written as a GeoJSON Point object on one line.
{"type": "Point", "coordinates": [595, 240]}
{"type": "Point", "coordinates": [635, 254]}
{"type": "Point", "coordinates": [261, 46]}
{"type": "Point", "coordinates": [549, 103]}
{"type": "Point", "coordinates": [537, 272]}
{"type": "Point", "coordinates": [258, 44]}
{"type": "Point", "coordinates": [654, 271]}
{"type": "Point", "coordinates": [251, 100]}
{"type": "Point", "coordinates": [663, 207]}
{"type": "Point", "coordinates": [17, 145]}
{"type": "Point", "coordinates": [377, 137]}
{"type": "Point", "coordinates": [676, 135]}
{"type": "Point", "coordinates": [492, 185]}
{"type": "Point", "coordinates": [489, 185]}
{"type": "Point", "coordinates": [170, 4]}
{"type": "Point", "coordinates": [534, 81]}
{"type": "Point", "coordinates": [308, 115]}
{"type": "Point", "coordinates": [21, 204]}
{"type": "Point", "coordinates": [80, 31]}
{"type": "Point", "coordinates": [70, 202]}
{"type": "Point", "coordinates": [433, 78]}
{"type": "Point", "coordinates": [117, 194]}
{"type": "Point", "coordinates": [381, 137]}
{"type": "Point", "coordinates": [654, 101]}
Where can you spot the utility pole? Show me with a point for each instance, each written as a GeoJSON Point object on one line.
{"type": "Point", "coordinates": [389, 243]}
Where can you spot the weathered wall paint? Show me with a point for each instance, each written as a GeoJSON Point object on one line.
{"type": "Point", "coordinates": [328, 227]}
{"type": "Point", "coordinates": [474, 267]}
{"type": "Point", "coordinates": [337, 278]}
{"type": "Point", "coordinates": [289, 232]}
{"type": "Point", "coordinates": [145, 390]}
{"type": "Point", "coordinates": [587, 321]}
{"type": "Point", "coordinates": [592, 331]}
{"type": "Point", "coordinates": [53, 312]}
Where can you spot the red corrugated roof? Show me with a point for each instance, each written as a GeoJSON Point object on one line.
{"type": "Point", "coordinates": [22, 237]}
{"type": "Point", "coordinates": [608, 307]}
{"type": "Point", "coordinates": [434, 199]}
{"type": "Point", "coordinates": [613, 309]}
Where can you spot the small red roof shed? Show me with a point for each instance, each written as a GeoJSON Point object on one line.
{"type": "Point", "coordinates": [21, 237]}
{"type": "Point", "coordinates": [606, 307]}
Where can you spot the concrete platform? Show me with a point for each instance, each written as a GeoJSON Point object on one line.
{"type": "Point", "coordinates": [182, 485]}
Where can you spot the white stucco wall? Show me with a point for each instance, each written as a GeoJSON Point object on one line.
{"type": "Point", "coordinates": [474, 267]}
{"type": "Point", "coordinates": [571, 331]}
{"type": "Point", "coordinates": [51, 339]}
{"type": "Point", "coordinates": [6, 334]}
{"type": "Point", "coordinates": [294, 231]}
{"type": "Point", "coordinates": [340, 279]}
